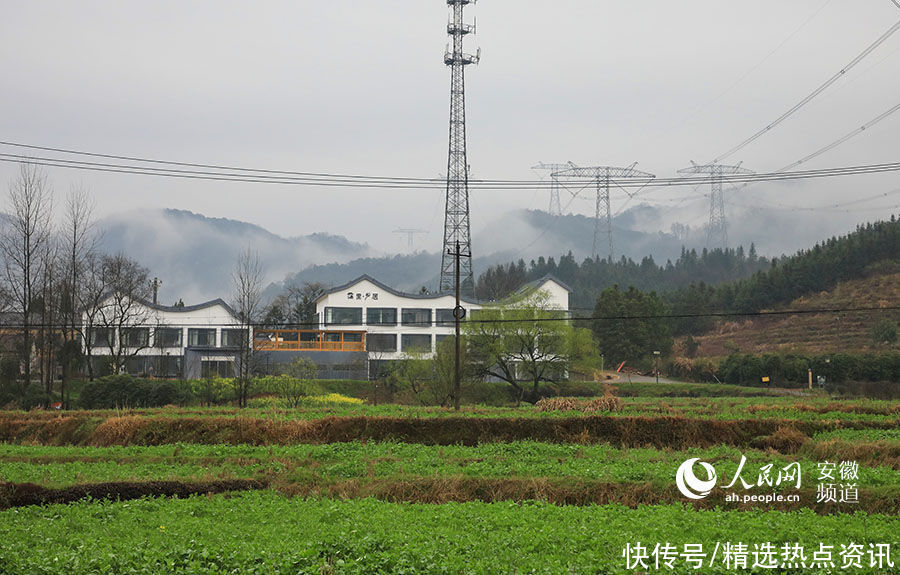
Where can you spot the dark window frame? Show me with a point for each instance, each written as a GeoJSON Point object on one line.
{"type": "Point", "coordinates": [373, 342]}
{"type": "Point", "coordinates": [357, 318]}
{"type": "Point", "coordinates": [406, 346]}
{"type": "Point", "coordinates": [196, 331]}
{"type": "Point", "coordinates": [410, 316]}
{"type": "Point", "coordinates": [380, 321]}
{"type": "Point", "coordinates": [159, 339]}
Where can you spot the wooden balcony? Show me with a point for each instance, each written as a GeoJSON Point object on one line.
{"type": "Point", "coordinates": [308, 340]}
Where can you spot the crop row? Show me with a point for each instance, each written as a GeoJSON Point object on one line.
{"type": "Point", "coordinates": [262, 532]}
{"type": "Point", "coordinates": [797, 408]}
{"type": "Point", "coordinates": [312, 464]}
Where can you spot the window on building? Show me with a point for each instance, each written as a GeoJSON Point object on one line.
{"type": "Point", "coordinates": [234, 337]}
{"type": "Point", "coordinates": [167, 337]}
{"type": "Point", "coordinates": [384, 342]}
{"type": "Point", "coordinates": [216, 368]}
{"type": "Point", "coordinates": [100, 337]}
{"type": "Point", "coordinates": [333, 336]}
{"type": "Point", "coordinates": [136, 366]}
{"type": "Point", "coordinates": [416, 342]}
{"type": "Point", "coordinates": [381, 316]}
{"type": "Point", "coordinates": [440, 338]}
{"type": "Point", "coordinates": [416, 317]}
{"type": "Point", "coordinates": [343, 316]}
{"type": "Point", "coordinates": [444, 317]}
{"type": "Point", "coordinates": [353, 337]}
{"type": "Point", "coordinates": [136, 336]}
{"type": "Point", "coordinates": [201, 338]}
{"type": "Point", "coordinates": [165, 366]}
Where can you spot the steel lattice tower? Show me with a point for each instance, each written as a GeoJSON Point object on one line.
{"type": "Point", "coordinates": [456, 216]}
{"type": "Point", "coordinates": [555, 209]}
{"type": "Point", "coordinates": [717, 232]}
{"type": "Point", "coordinates": [604, 177]}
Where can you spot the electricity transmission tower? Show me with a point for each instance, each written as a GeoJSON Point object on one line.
{"type": "Point", "coordinates": [554, 169]}
{"type": "Point", "coordinates": [457, 237]}
{"type": "Point", "coordinates": [717, 232]}
{"type": "Point", "coordinates": [409, 234]}
{"type": "Point", "coordinates": [604, 177]}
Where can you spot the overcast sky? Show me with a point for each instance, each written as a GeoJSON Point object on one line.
{"type": "Point", "coordinates": [360, 87]}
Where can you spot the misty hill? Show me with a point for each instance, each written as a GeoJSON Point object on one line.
{"type": "Point", "coordinates": [408, 272]}
{"type": "Point", "coordinates": [816, 269]}
{"type": "Point", "coordinates": [520, 234]}
{"type": "Point", "coordinates": [194, 255]}
{"type": "Point", "coordinates": [529, 234]}
{"type": "Point", "coordinates": [871, 249]}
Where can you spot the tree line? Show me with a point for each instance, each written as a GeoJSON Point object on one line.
{"type": "Point", "coordinates": [589, 278]}
{"type": "Point", "coordinates": [681, 297]}
{"type": "Point", "coordinates": [64, 303]}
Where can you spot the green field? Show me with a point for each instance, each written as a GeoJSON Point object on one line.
{"type": "Point", "coordinates": [398, 489]}
{"type": "Point", "coordinates": [267, 533]}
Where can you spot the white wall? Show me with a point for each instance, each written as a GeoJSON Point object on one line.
{"type": "Point", "coordinates": [379, 297]}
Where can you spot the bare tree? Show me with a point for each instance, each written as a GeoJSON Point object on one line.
{"type": "Point", "coordinates": [90, 295]}
{"type": "Point", "coordinates": [123, 315]}
{"type": "Point", "coordinates": [247, 280]}
{"type": "Point", "coordinates": [46, 304]}
{"type": "Point", "coordinates": [24, 243]}
{"type": "Point", "coordinates": [303, 303]}
{"type": "Point", "coordinates": [78, 243]}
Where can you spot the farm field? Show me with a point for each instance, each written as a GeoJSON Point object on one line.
{"type": "Point", "coordinates": [396, 489]}
{"type": "Point", "coordinates": [263, 532]}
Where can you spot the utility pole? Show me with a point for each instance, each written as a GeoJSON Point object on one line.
{"type": "Point", "coordinates": [458, 314]}
{"type": "Point", "coordinates": [717, 233]}
{"type": "Point", "coordinates": [155, 285]}
{"type": "Point", "coordinates": [456, 213]}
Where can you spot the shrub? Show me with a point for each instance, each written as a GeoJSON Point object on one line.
{"type": "Point", "coordinates": [885, 331]}
{"type": "Point", "coordinates": [125, 391]}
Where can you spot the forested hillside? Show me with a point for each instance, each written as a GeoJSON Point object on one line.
{"type": "Point", "coordinates": [871, 249]}
{"type": "Point", "coordinates": [591, 277]}
{"type": "Point", "coordinates": [713, 281]}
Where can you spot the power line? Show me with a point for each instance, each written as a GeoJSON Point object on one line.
{"type": "Point", "coordinates": [411, 183]}
{"type": "Point", "coordinates": [623, 317]}
{"type": "Point", "coordinates": [842, 139]}
{"type": "Point", "coordinates": [823, 150]}
{"type": "Point", "coordinates": [812, 95]}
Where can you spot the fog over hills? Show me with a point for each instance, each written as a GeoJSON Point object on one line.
{"type": "Point", "coordinates": [194, 255]}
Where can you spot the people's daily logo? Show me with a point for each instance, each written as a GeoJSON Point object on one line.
{"type": "Point", "coordinates": [690, 485]}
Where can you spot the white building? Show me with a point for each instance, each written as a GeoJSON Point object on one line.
{"type": "Point", "coordinates": [397, 323]}
{"type": "Point", "coordinates": [165, 341]}
{"type": "Point", "coordinates": [361, 322]}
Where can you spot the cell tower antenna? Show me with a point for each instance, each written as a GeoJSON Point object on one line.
{"type": "Point", "coordinates": [457, 236]}
{"type": "Point", "coordinates": [409, 234]}
{"type": "Point", "coordinates": [554, 169]}
{"type": "Point", "coordinates": [717, 232]}
{"type": "Point", "coordinates": [604, 177]}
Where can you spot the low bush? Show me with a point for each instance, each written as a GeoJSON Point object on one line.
{"type": "Point", "coordinates": [120, 391]}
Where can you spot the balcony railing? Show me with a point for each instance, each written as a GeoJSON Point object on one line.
{"type": "Point", "coordinates": [308, 340]}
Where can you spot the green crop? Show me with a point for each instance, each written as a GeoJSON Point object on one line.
{"type": "Point", "coordinates": [61, 466]}
{"type": "Point", "coordinates": [262, 532]}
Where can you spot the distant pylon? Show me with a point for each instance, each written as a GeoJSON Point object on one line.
{"type": "Point", "coordinates": [717, 232]}
{"type": "Point", "coordinates": [554, 169]}
{"type": "Point", "coordinates": [409, 234]}
{"type": "Point", "coordinates": [457, 236]}
{"type": "Point", "coordinates": [604, 177]}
